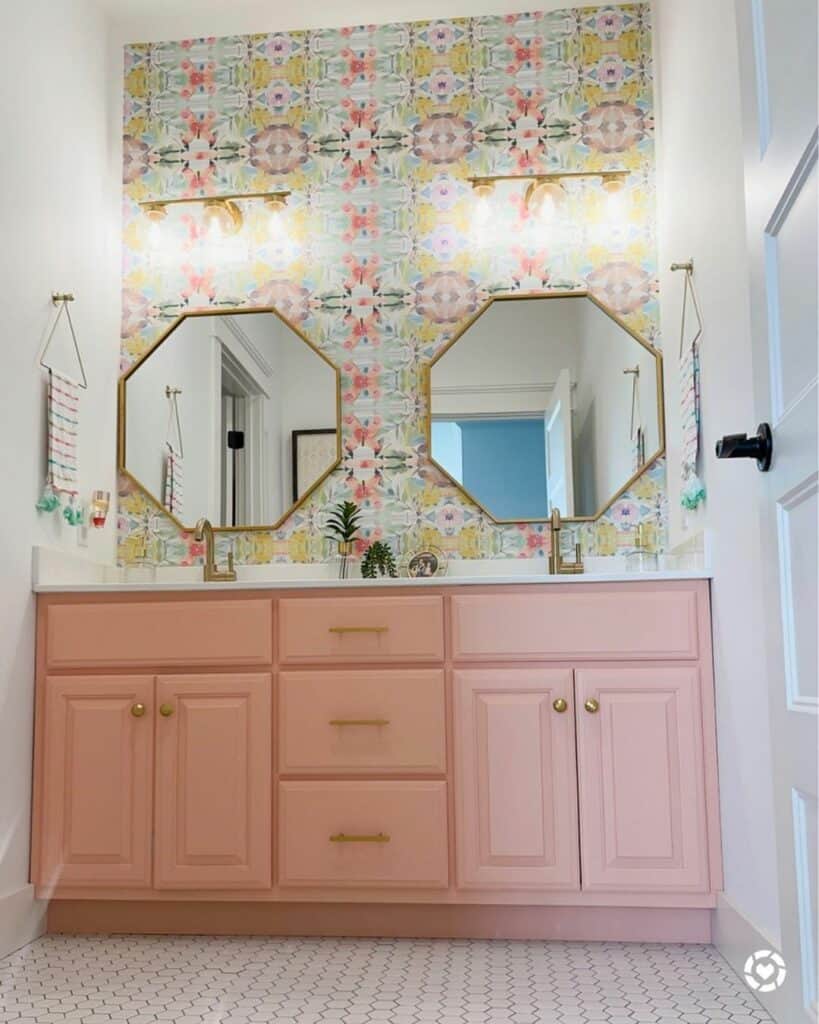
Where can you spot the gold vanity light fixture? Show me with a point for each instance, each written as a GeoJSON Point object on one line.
{"type": "Point", "coordinates": [223, 215]}
{"type": "Point", "coordinates": [545, 192]}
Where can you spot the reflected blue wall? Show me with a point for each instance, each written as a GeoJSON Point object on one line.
{"type": "Point", "coordinates": [504, 466]}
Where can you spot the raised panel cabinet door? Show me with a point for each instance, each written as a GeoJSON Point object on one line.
{"type": "Point", "coordinates": [642, 780]}
{"type": "Point", "coordinates": [213, 782]}
{"type": "Point", "coordinates": [515, 780]}
{"type": "Point", "coordinates": [96, 782]}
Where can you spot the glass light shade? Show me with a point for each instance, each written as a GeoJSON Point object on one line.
{"type": "Point", "coordinates": [156, 215]}
{"type": "Point", "coordinates": [543, 199]}
{"type": "Point", "coordinates": [615, 189]}
{"type": "Point", "coordinates": [277, 228]}
{"type": "Point", "coordinates": [222, 217]}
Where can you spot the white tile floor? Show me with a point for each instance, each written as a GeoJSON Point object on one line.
{"type": "Point", "coordinates": [151, 980]}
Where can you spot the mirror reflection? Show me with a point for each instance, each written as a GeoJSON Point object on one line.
{"type": "Point", "coordinates": [545, 402]}
{"type": "Point", "coordinates": [232, 416]}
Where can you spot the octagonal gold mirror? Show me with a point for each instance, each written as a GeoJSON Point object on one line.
{"type": "Point", "coordinates": [233, 415]}
{"type": "Point", "coordinates": [543, 402]}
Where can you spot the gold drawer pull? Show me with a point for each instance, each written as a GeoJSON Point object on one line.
{"type": "Point", "coordinates": [342, 837]}
{"type": "Point", "coordinates": [359, 721]}
{"type": "Point", "coordinates": [358, 629]}
{"type": "Point", "coordinates": [560, 705]}
{"type": "Point", "coordinates": [591, 705]}
{"type": "Point", "coordinates": [166, 710]}
{"type": "Point", "coordinates": [137, 710]}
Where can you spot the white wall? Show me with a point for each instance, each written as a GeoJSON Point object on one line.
{"type": "Point", "coordinates": [58, 225]}
{"type": "Point", "coordinates": [521, 345]}
{"type": "Point", "coordinates": [158, 20]}
{"type": "Point", "coordinates": [701, 215]}
{"type": "Point", "coordinates": [186, 361]}
{"type": "Point", "coordinates": [605, 458]}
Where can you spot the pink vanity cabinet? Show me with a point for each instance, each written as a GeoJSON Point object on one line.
{"type": "Point", "coordinates": [521, 760]}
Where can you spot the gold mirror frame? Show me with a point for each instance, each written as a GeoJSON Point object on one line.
{"type": "Point", "coordinates": [121, 418]}
{"type": "Point", "coordinates": [534, 296]}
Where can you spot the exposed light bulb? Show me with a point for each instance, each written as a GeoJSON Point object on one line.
{"type": "Point", "coordinates": [483, 207]}
{"type": "Point", "coordinates": [277, 226]}
{"type": "Point", "coordinates": [155, 214]}
{"type": "Point", "coordinates": [543, 199]}
{"type": "Point", "coordinates": [615, 198]}
{"type": "Point", "coordinates": [222, 217]}
{"type": "Point", "coordinates": [483, 211]}
{"type": "Point", "coordinates": [547, 211]}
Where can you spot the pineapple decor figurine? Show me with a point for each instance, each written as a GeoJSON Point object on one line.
{"type": "Point", "coordinates": [378, 561]}
{"type": "Point", "coordinates": [342, 525]}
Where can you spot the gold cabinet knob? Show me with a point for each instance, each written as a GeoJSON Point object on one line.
{"type": "Point", "coordinates": [559, 705]}
{"type": "Point", "coordinates": [591, 705]}
{"type": "Point", "coordinates": [137, 710]}
{"type": "Point", "coordinates": [166, 710]}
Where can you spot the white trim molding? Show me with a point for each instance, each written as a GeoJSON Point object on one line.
{"type": "Point", "coordinates": [22, 919]}
{"type": "Point", "coordinates": [736, 938]}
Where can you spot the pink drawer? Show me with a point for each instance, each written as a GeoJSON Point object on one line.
{"type": "Point", "coordinates": [378, 721]}
{"type": "Point", "coordinates": [142, 633]}
{"type": "Point", "coordinates": [575, 622]}
{"type": "Point", "coordinates": [409, 819]}
{"type": "Point", "coordinates": [361, 629]}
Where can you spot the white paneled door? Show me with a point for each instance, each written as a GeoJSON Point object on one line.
{"type": "Point", "coordinates": [777, 41]}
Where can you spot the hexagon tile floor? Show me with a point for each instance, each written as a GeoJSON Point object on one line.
{"type": "Point", "coordinates": [153, 980]}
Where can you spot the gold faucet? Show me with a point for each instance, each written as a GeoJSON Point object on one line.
{"type": "Point", "coordinates": [204, 532]}
{"type": "Point", "coordinates": [556, 564]}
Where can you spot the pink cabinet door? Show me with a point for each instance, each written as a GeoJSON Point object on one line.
{"type": "Point", "coordinates": [213, 782]}
{"type": "Point", "coordinates": [515, 781]}
{"type": "Point", "coordinates": [642, 784]}
{"type": "Point", "coordinates": [96, 782]}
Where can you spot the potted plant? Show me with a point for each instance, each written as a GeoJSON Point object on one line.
{"type": "Point", "coordinates": [378, 561]}
{"type": "Point", "coordinates": [342, 524]}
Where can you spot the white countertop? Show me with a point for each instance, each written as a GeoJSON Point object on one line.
{"type": "Point", "coordinates": [55, 572]}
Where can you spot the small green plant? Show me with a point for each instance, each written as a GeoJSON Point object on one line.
{"type": "Point", "coordinates": [343, 521]}
{"type": "Point", "coordinates": [378, 561]}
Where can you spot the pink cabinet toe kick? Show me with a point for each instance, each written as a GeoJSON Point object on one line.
{"type": "Point", "coordinates": [516, 761]}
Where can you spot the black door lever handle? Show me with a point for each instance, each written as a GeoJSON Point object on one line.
{"type": "Point", "coordinates": [740, 446]}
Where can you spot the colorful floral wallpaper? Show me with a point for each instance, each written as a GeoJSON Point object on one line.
{"type": "Point", "coordinates": [375, 130]}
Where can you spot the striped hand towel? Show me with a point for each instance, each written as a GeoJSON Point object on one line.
{"type": "Point", "coordinates": [173, 490]}
{"type": "Point", "coordinates": [63, 428]}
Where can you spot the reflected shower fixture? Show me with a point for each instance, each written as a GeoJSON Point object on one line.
{"type": "Point", "coordinates": [223, 214]}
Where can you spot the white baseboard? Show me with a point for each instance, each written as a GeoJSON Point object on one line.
{"type": "Point", "coordinates": [22, 919]}
{"type": "Point", "coordinates": [736, 938]}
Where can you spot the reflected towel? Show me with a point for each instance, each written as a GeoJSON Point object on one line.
{"type": "Point", "coordinates": [173, 489]}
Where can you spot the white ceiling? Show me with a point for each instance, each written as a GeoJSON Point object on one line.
{"type": "Point", "coordinates": [153, 20]}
